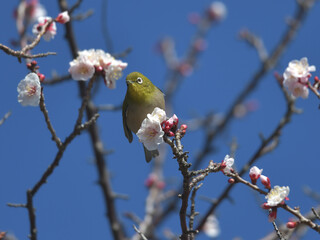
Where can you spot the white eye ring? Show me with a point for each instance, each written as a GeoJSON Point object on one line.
{"type": "Point", "coordinates": [139, 80]}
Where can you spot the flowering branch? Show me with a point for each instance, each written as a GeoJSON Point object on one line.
{"type": "Point", "coordinates": [294, 211]}
{"type": "Point", "coordinates": [262, 150]}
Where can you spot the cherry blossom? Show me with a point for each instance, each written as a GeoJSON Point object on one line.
{"type": "Point", "coordinates": [29, 90]}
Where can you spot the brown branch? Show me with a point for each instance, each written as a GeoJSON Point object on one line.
{"type": "Point", "coordinates": [57, 79]}
{"type": "Point", "coordinates": [21, 54]}
{"type": "Point", "coordinates": [104, 178]}
{"type": "Point", "coordinates": [43, 109]}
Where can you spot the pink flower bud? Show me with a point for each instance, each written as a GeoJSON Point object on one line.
{"type": "Point", "coordinates": [254, 174]}
{"type": "Point", "coordinates": [265, 181]}
{"type": "Point", "coordinates": [292, 224]}
{"type": "Point", "coordinates": [231, 180]}
{"type": "Point", "coordinates": [170, 134]}
{"type": "Point", "coordinates": [41, 77]}
{"type": "Point", "coordinates": [63, 17]}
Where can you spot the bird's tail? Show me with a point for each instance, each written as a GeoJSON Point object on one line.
{"type": "Point", "coordinates": [150, 154]}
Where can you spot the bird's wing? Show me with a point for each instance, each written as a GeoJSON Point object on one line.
{"type": "Point", "coordinates": [127, 131]}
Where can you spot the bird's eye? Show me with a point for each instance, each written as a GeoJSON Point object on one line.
{"type": "Point", "coordinates": [139, 80]}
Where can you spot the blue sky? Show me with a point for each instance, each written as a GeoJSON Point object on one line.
{"type": "Point", "coordinates": [70, 205]}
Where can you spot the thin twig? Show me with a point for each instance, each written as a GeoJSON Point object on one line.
{"type": "Point", "coordinates": [43, 109]}
{"type": "Point", "coordinates": [56, 79]}
{"type": "Point", "coordinates": [139, 232]}
{"type": "Point", "coordinates": [21, 54]}
{"type": "Point", "coordinates": [5, 117]}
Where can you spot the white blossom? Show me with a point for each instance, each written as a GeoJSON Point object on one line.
{"type": "Point", "coordinates": [81, 68]}
{"type": "Point", "coordinates": [110, 67]}
{"type": "Point", "coordinates": [159, 114]}
{"type": "Point", "coordinates": [228, 162]}
{"type": "Point", "coordinates": [277, 195]}
{"type": "Point", "coordinates": [296, 77]}
{"type": "Point", "coordinates": [29, 90]}
{"type": "Point", "coordinates": [51, 30]}
{"type": "Point", "coordinates": [150, 133]}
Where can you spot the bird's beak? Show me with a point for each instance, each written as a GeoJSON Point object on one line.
{"type": "Point", "coordinates": [128, 82]}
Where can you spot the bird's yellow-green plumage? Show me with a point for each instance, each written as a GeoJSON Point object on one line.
{"type": "Point", "coordinates": [141, 98]}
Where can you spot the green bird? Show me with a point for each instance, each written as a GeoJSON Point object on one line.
{"type": "Point", "coordinates": [141, 98]}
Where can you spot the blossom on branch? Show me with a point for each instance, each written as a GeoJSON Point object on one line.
{"type": "Point", "coordinates": [254, 174]}
{"type": "Point", "coordinates": [51, 30]}
{"type": "Point", "coordinates": [150, 132]}
{"type": "Point", "coordinates": [81, 68]}
{"type": "Point", "coordinates": [227, 164]}
{"type": "Point", "coordinates": [277, 195]}
{"type": "Point", "coordinates": [63, 17]}
{"type": "Point", "coordinates": [211, 228]}
{"type": "Point", "coordinates": [97, 61]}
{"type": "Point", "coordinates": [29, 90]}
{"type": "Point", "coordinates": [265, 181]}
{"type": "Point", "coordinates": [296, 77]}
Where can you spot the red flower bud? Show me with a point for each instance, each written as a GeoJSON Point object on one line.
{"type": "Point", "coordinates": [292, 224]}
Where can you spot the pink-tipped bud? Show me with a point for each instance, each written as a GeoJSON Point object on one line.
{"type": "Point", "coordinates": [265, 181]}
{"type": "Point", "coordinates": [34, 62]}
{"type": "Point", "coordinates": [291, 224]}
{"type": "Point", "coordinates": [254, 174]}
{"type": "Point", "coordinates": [41, 77]}
{"type": "Point", "coordinates": [273, 215]}
{"type": "Point", "coordinates": [183, 127]}
{"type": "Point", "coordinates": [265, 206]}
{"type": "Point", "coordinates": [316, 79]}
{"type": "Point", "coordinates": [63, 17]}
{"type": "Point", "coordinates": [231, 180]}
{"type": "Point", "coordinates": [29, 66]}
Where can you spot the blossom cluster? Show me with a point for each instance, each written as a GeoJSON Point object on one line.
{"type": "Point", "coordinates": [155, 126]}
{"type": "Point", "coordinates": [296, 77]}
{"type": "Point", "coordinates": [51, 29]}
{"type": "Point", "coordinates": [94, 61]}
{"type": "Point", "coordinates": [275, 197]}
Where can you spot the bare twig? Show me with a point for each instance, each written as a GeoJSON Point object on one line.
{"type": "Point", "coordinates": [5, 117]}
{"type": "Point", "coordinates": [47, 119]}
{"type": "Point", "coordinates": [139, 232]}
{"type": "Point", "coordinates": [21, 54]}
{"type": "Point", "coordinates": [276, 229]}
{"type": "Point", "coordinates": [56, 79]}
{"type": "Point", "coordinates": [255, 42]}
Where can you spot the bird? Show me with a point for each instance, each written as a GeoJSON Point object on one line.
{"type": "Point", "coordinates": [141, 98]}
